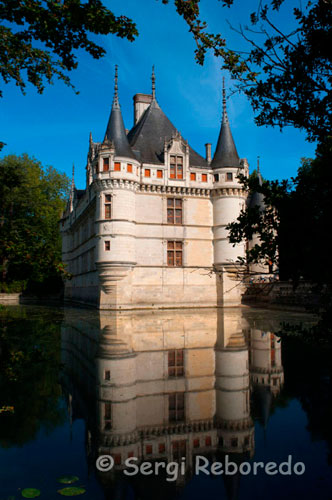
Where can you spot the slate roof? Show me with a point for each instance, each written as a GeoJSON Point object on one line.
{"type": "Point", "coordinates": [226, 154]}
{"type": "Point", "coordinates": [116, 133]}
{"type": "Point", "coordinates": [147, 137]}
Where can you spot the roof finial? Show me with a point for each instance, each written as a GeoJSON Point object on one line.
{"type": "Point", "coordinates": [258, 171]}
{"type": "Point", "coordinates": [153, 78]}
{"type": "Point", "coordinates": [224, 110]}
{"type": "Point", "coordinates": [116, 97]}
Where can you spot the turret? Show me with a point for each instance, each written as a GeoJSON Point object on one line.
{"type": "Point", "coordinates": [257, 200]}
{"type": "Point", "coordinates": [228, 198]}
{"type": "Point", "coordinates": [234, 424]}
{"type": "Point", "coordinates": [116, 180]}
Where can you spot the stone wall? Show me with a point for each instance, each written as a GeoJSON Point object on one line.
{"type": "Point", "coordinates": [281, 293]}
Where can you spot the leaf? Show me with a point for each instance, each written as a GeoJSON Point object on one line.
{"type": "Point", "coordinates": [67, 479]}
{"type": "Point", "coordinates": [71, 491]}
{"type": "Point", "coordinates": [30, 493]}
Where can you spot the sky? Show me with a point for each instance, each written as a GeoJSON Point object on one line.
{"type": "Point", "coordinates": [54, 127]}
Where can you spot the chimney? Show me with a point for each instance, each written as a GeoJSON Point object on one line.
{"type": "Point", "coordinates": [141, 103]}
{"type": "Point", "coordinates": [208, 152]}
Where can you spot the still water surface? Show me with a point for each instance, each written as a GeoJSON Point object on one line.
{"type": "Point", "coordinates": [182, 387]}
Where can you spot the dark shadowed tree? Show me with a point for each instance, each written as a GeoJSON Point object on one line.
{"type": "Point", "coordinates": [32, 200]}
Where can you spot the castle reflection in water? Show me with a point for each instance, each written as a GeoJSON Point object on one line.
{"type": "Point", "coordinates": [165, 385]}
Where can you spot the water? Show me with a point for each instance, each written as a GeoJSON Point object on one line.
{"type": "Point", "coordinates": [174, 389]}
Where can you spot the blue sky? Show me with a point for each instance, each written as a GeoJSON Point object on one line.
{"type": "Point", "coordinates": [54, 127]}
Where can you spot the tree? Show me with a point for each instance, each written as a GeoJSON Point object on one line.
{"type": "Point", "coordinates": [38, 39]}
{"type": "Point", "coordinates": [286, 76]}
{"type": "Point", "coordinates": [294, 226]}
{"type": "Point", "coordinates": [33, 199]}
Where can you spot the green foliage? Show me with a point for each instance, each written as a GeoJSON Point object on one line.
{"type": "Point", "coordinates": [293, 227]}
{"type": "Point", "coordinates": [39, 40]}
{"type": "Point", "coordinates": [67, 479]}
{"type": "Point", "coordinates": [71, 491]}
{"type": "Point", "coordinates": [286, 76]}
{"type": "Point", "coordinates": [13, 287]}
{"type": "Point", "coordinates": [29, 370]}
{"type": "Point", "coordinates": [30, 493]}
{"type": "Point", "coordinates": [33, 199]}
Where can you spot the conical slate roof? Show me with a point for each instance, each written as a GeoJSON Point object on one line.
{"type": "Point", "coordinates": [115, 131]}
{"type": "Point", "coordinates": [147, 137]}
{"type": "Point", "coordinates": [225, 154]}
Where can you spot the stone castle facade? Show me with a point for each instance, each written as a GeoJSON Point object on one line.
{"type": "Point", "coordinates": [149, 230]}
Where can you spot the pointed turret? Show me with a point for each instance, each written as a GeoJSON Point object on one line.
{"type": "Point", "coordinates": [225, 154]}
{"type": "Point", "coordinates": [115, 132]}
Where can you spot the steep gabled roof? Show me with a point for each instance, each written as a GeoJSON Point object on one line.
{"type": "Point", "coordinates": [225, 154]}
{"type": "Point", "coordinates": [147, 137]}
{"type": "Point", "coordinates": [115, 131]}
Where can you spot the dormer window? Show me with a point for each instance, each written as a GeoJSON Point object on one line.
{"type": "Point", "coordinates": [229, 176]}
{"type": "Point", "coordinates": [117, 166]}
{"type": "Point", "coordinates": [176, 167]}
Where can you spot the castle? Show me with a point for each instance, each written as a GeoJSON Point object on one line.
{"type": "Point", "coordinates": [162, 385]}
{"type": "Point", "coordinates": [149, 230]}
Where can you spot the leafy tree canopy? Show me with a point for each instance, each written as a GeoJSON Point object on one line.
{"type": "Point", "coordinates": [294, 226]}
{"type": "Point", "coordinates": [33, 199]}
{"type": "Point", "coordinates": [287, 76]}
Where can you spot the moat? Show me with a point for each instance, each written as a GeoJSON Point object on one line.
{"type": "Point", "coordinates": [177, 387]}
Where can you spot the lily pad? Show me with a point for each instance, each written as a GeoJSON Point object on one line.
{"type": "Point", "coordinates": [68, 479]}
{"type": "Point", "coordinates": [71, 491]}
{"type": "Point", "coordinates": [30, 493]}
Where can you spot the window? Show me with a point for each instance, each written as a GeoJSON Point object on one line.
{"type": "Point", "coordinates": [174, 253]}
{"type": "Point", "coordinates": [162, 448]}
{"type": "Point", "coordinates": [117, 166]}
{"type": "Point", "coordinates": [192, 176]}
{"type": "Point", "coordinates": [229, 176]}
{"type": "Point", "coordinates": [129, 168]}
{"type": "Point", "coordinates": [147, 172]}
{"type": "Point", "coordinates": [216, 177]}
{"type": "Point", "coordinates": [107, 246]}
{"type": "Point", "coordinates": [179, 449]}
{"type": "Point", "coordinates": [108, 415]}
{"type": "Point", "coordinates": [106, 164]}
{"type": "Point", "coordinates": [204, 177]}
{"type": "Point", "coordinates": [176, 167]}
{"type": "Point", "coordinates": [196, 443]}
{"type": "Point", "coordinates": [107, 375]}
{"type": "Point", "coordinates": [246, 441]}
{"type": "Point", "coordinates": [174, 211]}
{"type": "Point", "coordinates": [148, 449]}
{"type": "Point", "coordinates": [208, 441]}
{"type": "Point", "coordinates": [176, 407]}
{"type": "Point", "coordinates": [234, 442]}
{"type": "Point", "coordinates": [159, 174]}
{"type": "Point", "coordinates": [108, 206]}
{"type": "Point", "coordinates": [117, 459]}
{"type": "Point", "coordinates": [175, 363]}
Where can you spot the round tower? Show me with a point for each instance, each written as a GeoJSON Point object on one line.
{"type": "Point", "coordinates": [116, 180]}
{"type": "Point", "coordinates": [228, 198]}
{"type": "Point", "coordinates": [235, 426]}
{"type": "Point", "coordinates": [266, 371]}
{"type": "Point", "coordinates": [116, 393]}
